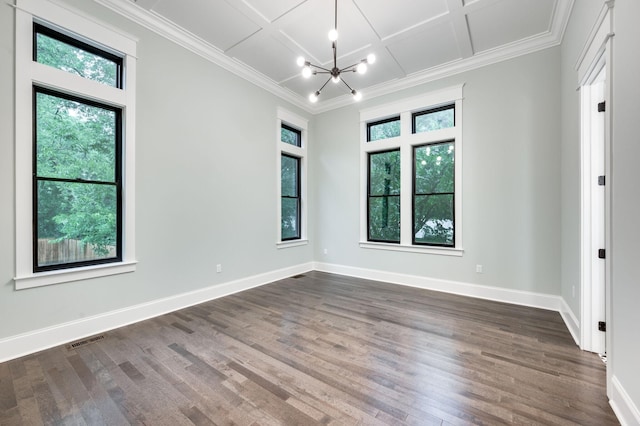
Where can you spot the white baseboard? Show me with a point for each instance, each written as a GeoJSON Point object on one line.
{"type": "Point", "coordinates": [517, 297]}
{"type": "Point", "coordinates": [571, 321]}
{"type": "Point", "coordinates": [34, 341]}
{"type": "Point", "coordinates": [624, 408]}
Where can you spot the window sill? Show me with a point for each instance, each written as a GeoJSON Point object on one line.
{"type": "Point", "coordinates": [41, 279]}
{"type": "Point", "coordinates": [444, 251]}
{"type": "Point", "coordinates": [292, 243]}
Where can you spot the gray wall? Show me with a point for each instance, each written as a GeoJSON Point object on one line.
{"type": "Point", "coordinates": [205, 193]}
{"type": "Point", "coordinates": [583, 16]}
{"type": "Point", "coordinates": [511, 174]}
{"type": "Point", "coordinates": [626, 199]}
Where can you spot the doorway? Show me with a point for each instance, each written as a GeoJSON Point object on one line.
{"type": "Point", "coordinates": [594, 149]}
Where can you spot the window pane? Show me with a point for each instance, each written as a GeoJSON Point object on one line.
{"type": "Point", "coordinates": [433, 120]}
{"type": "Point", "coordinates": [73, 59]}
{"type": "Point", "coordinates": [290, 135]}
{"type": "Point", "coordinates": [433, 219]}
{"type": "Point", "coordinates": [76, 222]}
{"type": "Point", "coordinates": [434, 168]}
{"type": "Point", "coordinates": [384, 219]}
{"type": "Point", "coordinates": [290, 218]}
{"type": "Point", "coordinates": [384, 200]}
{"type": "Point", "coordinates": [384, 173]}
{"type": "Point", "coordinates": [74, 140]}
{"type": "Point", "coordinates": [289, 176]}
{"type": "Point", "coordinates": [383, 129]}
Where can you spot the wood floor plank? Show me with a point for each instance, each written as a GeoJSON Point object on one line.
{"type": "Point", "coordinates": [318, 349]}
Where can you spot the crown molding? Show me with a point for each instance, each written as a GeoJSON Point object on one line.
{"type": "Point", "coordinates": [200, 47]}
{"type": "Point", "coordinates": [195, 44]}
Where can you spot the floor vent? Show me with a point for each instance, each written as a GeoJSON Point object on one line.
{"type": "Point", "coordinates": [298, 276]}
{"type": "Point", "coordinates": [84, 342]}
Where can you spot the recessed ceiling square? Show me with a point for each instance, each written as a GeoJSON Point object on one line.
{"type": "Point", "coordinates": [213, 20]}
{"type": "Point", "coordinates": [434, 45]}
{"type": "Point", "coordinates": [389, 19]}
{"type": "Point", "coordinates": [506, 21]}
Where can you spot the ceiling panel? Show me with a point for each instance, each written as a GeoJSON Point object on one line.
{"type": "Point", "coordinates": [406, 14]}
{"type": "Point", "coordinates": [507, 21]}
{"type": "Point", "coordinates": [213, 20]}
{"type": "Point", "coordinates": [269, 56]}
{"type": "Point", "coordinates": [434, 45]}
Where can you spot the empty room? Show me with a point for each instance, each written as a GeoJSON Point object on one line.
{"type": "Point", "coordinates": [331, 212]}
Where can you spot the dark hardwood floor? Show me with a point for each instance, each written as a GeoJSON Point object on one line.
{"type": "Point", "coordinates": [318, 349]}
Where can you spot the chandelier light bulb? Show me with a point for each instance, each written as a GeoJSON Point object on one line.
{"type": "Point", "coordinates": [362, 67]}
{"type": "Point", "coordinates": [306, 71]}
{"type": "Point", "coordinates": [335, 79]}
{"type": "Point", "coordinates": [371, 58]}
{"type": "Point", "coordinates": [314, 97]}
{"type": "Point", "coordinates": [356, 95]}
{"type": "Point", "coordinates": [300, 61]}
{"type": "Point", "coordinates": [333, 34]}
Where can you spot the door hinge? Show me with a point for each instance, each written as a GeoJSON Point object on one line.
{"type": "Point", "coordinates": [601, 254]}
{"type": "Point", "coordinates": [602, 326]}
{"type": "Point", "coordinates": [601, 106]}
{"type": "Point", "coordinates": [601, 180]}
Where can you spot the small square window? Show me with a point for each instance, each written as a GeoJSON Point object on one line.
{"type": "Point", "coordinates": [290, 135]}
{"type": "Point", "coordinates": [433, 119]}
{"type": "Point", "coordinates": [383, 129]}
{"type": "Point", "coordinates": [73, 56]}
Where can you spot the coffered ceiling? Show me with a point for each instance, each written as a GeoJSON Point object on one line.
{"type": "Point", "coordinates": [414, 40]}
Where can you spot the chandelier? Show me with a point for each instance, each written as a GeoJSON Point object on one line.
{"type": "Point", "coordinates": [335, 73]}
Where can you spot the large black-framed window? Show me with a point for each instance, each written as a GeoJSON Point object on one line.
{"type": "Point", "coordinates": [434, 194]}
{"type": "Point", "coordinates": [383, 196]}
{"type": "Point", "coordinates": [69, 54]}
{"type": "Point", "coordinates": [290, 203]}
{"type": "Point", "coordinates": [77, 181]}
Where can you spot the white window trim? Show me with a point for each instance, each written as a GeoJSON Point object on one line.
{"type": "Point", "coordinates": [29, 72]}
{"type": "Point", "coordinates": [406, 141]}
{"type": "Point", "coordinates": [300, 152]}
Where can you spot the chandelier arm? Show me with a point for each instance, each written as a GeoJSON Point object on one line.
{"type": "Point", "coordinates": [324, 70]}
{"type": "Point", "coordinates": [345, 83]}
{"type": "Point", "coordinates": [351, 67]}
{"type": "Point", "coordinates": [325, 83]}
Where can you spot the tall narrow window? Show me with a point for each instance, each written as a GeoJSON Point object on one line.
{"type": "Point", "coordinates": [292, 179]}
{"type": "Point", "coordinates": [76, 182]}
{"type": "Point", "coordinates": [384, 196]}
{"type": "Point", "coordinates": [290, 194]}
{"type": "Point", "coordinates": [434, 194]}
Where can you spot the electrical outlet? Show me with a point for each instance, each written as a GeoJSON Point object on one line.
{"type": "Point", "coordinates": [218, 268]}
{"type": "Point", "coordinates": [325, 251]}
{"type": "Point", "coordinates": [479, 269]}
